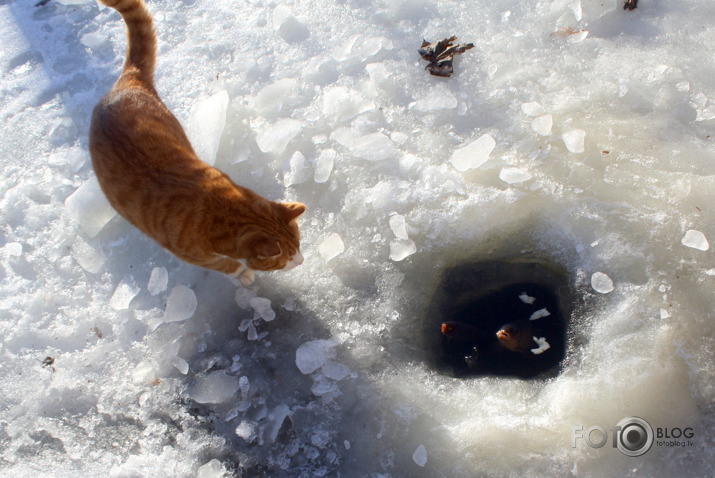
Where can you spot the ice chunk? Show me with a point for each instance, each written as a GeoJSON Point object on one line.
{"type": "Point", "coordinates": [335, 370]}
{"type": "Point", "coordinates": [158, 280]}
{"type": "Point", "coordinates": [206, 123]}
{"type": "Point", "coordinates": [437, 99]}
{"type": "Point", "coordinates": [543, 345]}
{"type": "Point", "coordinates": [322, 387]}
{"type": "Point", "coordinates": [601, 283]}
{"type": "Point", "coordinates": [324, 165]}
{"type": "Point", "coordinates": [275, 137]}
{"type": "Point", "coordinates": [89, 207]}
{"type": "Point", "coordinates": [543, 124]}
{"type": "Point", "coordinates": [331, 247]}
{"type": "Point", "coordinates": [94, 40]}
{"type": "Point", "coordinates": [180, 305]}
{"type": "Point", "coordinates": [252, 333]}
{"type": "Point", "coordinates": [540, 314]}
{"type": "Point", "coordinates": [180, 364]}
{"type": "Point", "coordinates": [312, 355]}
{"type": "Point", "coordinates": [236, 365]}
{"type": "Point", "coordinates": [696, 240]}
{"type": "Point", "coordinates": [212, 469]}
{"type": "Point", "coordinates": [277, 416]}
{"type": "Point", "coordinates": [664, 314]}
{"type": "Point", "coordinates": [298, 170]}
{"type": "Point", "coordinates": [271, 98]}
{"type": "Point", "coordinates": [420, 456]}
{"type": "Point", "coordinates": [290, 304]}
{"type": "Point", "coordinates": [72, 158]}
{"type": "Point", "coordinates": [398, 226]}
{"type": "Point", "coordinates": [401, 249]}
{"type": "Point", "coordinates": [373, 147]}
{"type": "Point", "coordinates": [574, 140]}
{"type": "Point", "coordinates": [289, 27]}
{"type": "Point", "coordinates": [341, 103]}
{"type": "Point", "coordinates": [124, 293]}
{"type": "Point", "coordinates": [89, 258]}
{"type": "Point", "coordinates": [243, 297]}
{"type": "Point", "coordinates": [513, 175]}
{"type": "Point", "coordinates": [262, 306]}
{"type": "Point", "coordinates": [474, 154]}
{"type": "Point", "coordinates": [244, 385]}
{"type": "Point", "coordinates": [526, 298]}
{"type": "Point", "coordinates": [247, 430]}
{"type": "Point", "coordinates": [533, 109]}
{"type": "Point", "coordinates": [216, 387]}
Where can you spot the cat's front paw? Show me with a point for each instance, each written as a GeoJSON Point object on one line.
{"type": "Point", "coordinates": [247, 277]}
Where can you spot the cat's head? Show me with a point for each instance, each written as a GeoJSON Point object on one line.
{"type": "Point", "coordinates": [276, 246]}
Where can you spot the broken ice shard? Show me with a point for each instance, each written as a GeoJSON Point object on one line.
{"type": "Point", "coordinates": [331, 247]}
{"type": "Point", "coordinates": [89, 207]}
{"type": "Point", "coordinates": [601, 283]}
{"type": "Point", "coordinates": [473, 154]}
{"type": "Point", "coordinates": [180, 305]}
{"type": "Point", "coordinates": [206, 124]}
{"type": "Point", "coordinates": [696, 240]}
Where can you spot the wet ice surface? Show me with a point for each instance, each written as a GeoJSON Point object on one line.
{"type": "Point", "coordinates": [182, 375]}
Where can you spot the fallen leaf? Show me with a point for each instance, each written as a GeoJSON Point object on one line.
{"type": "Point", "coordinates": [440, 54]}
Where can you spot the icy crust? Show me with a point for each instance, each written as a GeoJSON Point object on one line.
{"type": "Point", "coordinates": [593, 150]}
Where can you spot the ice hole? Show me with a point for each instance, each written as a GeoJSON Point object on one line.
{"type": "Point", "coordinates": [487, 295]}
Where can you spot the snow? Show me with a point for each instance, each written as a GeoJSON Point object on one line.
{"type": "Point", "coordinates": [164, 369]}
{"type": "Point", "coordinates": [526, 298]}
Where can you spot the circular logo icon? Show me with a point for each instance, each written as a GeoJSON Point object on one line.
{"type": "Point", "coordinates": [635, 436]}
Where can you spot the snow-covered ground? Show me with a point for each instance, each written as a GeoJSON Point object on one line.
{"type": "Point", "coordinates": [574, 131]}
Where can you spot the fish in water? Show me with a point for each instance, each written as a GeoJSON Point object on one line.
{"type": "Point", "coordinates": [517, 336]}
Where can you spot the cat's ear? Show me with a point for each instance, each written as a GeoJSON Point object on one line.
{"type": "Point", "coordinates": [292, 210]}
{"type": "Point", "coordinates": [266, 248]}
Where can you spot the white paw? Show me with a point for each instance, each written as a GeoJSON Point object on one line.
{"type": "Point", "coordinates": [247, 277]}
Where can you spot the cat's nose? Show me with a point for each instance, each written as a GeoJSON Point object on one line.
{"type": "Point", "coordinates": [298, 258]}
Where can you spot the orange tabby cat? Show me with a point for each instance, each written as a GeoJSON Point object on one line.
{"type": "Point", "coordinates": [151, 175]}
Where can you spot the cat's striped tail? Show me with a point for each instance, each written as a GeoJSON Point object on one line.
{"type": "Point", "coordinates": [141, 38]}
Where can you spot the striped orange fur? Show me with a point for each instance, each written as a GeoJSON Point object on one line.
{"type": "Point", "coordinates": [148, 170]}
